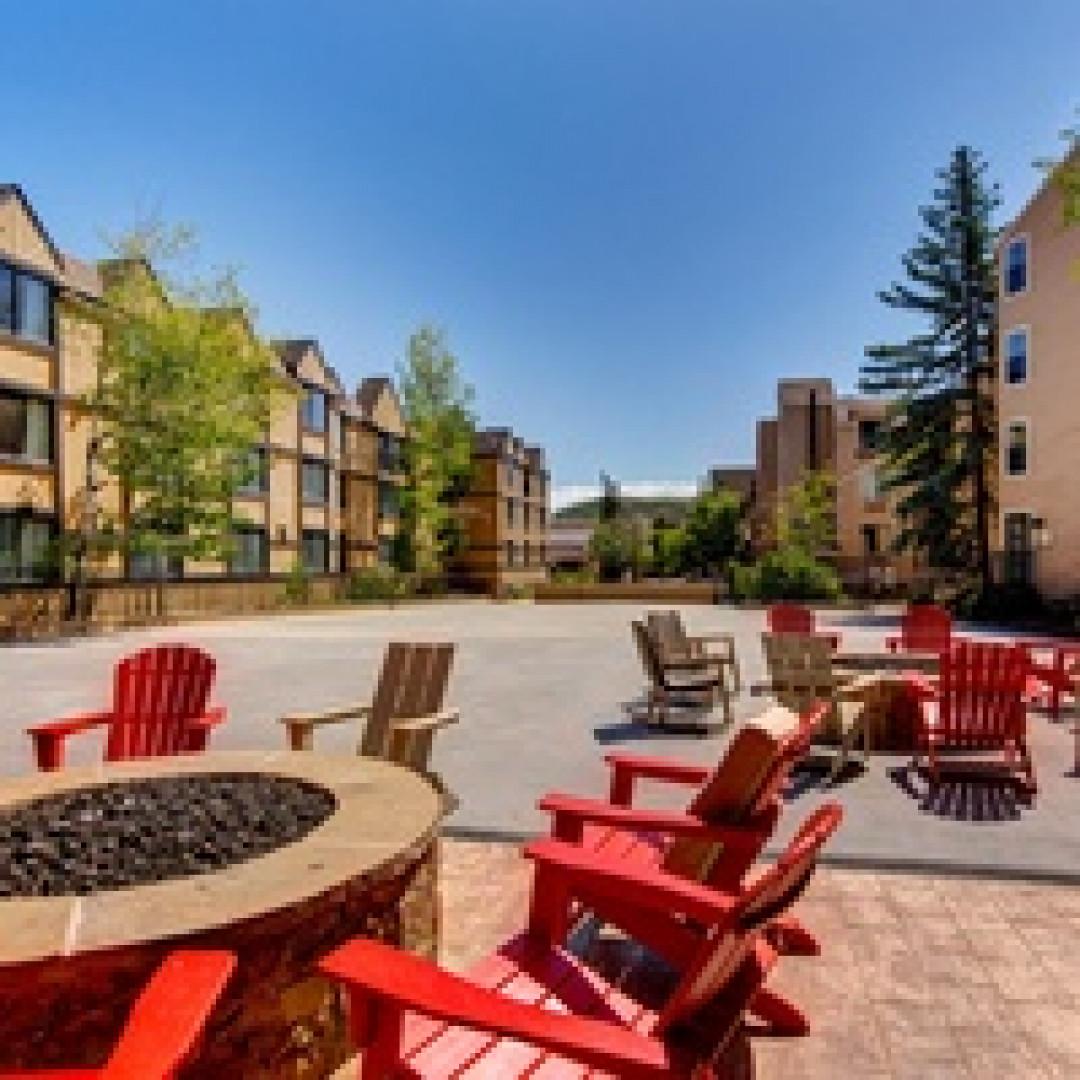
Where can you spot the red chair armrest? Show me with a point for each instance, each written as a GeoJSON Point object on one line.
{"type": "Point", "coordinates": [585, 875]}
{"type": "Point", "coordinates": [920, 685]}
{"type": "Point", "coordinates": [572, 813]}
{"type": "Point", "coordinates": [169, 1015]}
{"type": "Point", "coordinates": [49, 737]}
{"type": "Point", "coordinates": [894, 644]}
{"type": "Point", "coordinates": [372, 969]}
{"type": "Point", "coordinates": [626, 768]}
{"type": "Point", "coordinates": [211, 718]}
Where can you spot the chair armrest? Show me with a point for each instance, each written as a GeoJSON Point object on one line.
{"type": "Point", "coordinates": [169, 1015]}
{"type": "Point", "coordinates": [372, 969]}
{"type": "Point", "coordinates": [626, 768]}
{"type": "Point", "coordinates": [428, 723]}
{"type": "Point", "coordinates": [572, 814]}
{"type": "Point", "coordinates": [857, 688]}
{"type": "Point", "coordinates": [301, 726]}
{"type": "Point", "coordinates": [894, 644]}
{"type": "Point", "coordinates": [211, 718]}
{"type": "Point", "coordinates": [586, 874]}
{"type": "Point", "coordinates": [49, 737]}
{"type": "Point", "coordinates": [920, 684]}
{"type": "Point", "coordinates": [689, 663]}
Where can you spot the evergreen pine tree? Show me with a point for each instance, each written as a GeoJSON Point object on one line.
{"type": "Point", "coordinates": [939, 442]}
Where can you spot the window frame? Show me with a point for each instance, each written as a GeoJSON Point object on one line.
{"type": "Point", "coordinates": [1011, 424]}
{"type": "Point", "coordinates": [308, 567]}
{"type": "Point", "coordinates": [310, 391]}
{"type": "Point", "coordinates": [249, 529]}
{"type": "Point", "coordinates": [1025, 330]}
{"type": "Point", "coordinates": [26, 396]}
{"type": "Point", "coordinates": [1006, 283]}
{"type": "Point", "coordinates": [262, 479]}
{"type": "Point", "coordinates": [13, 329]}
{"type": "Point", "coordinates": [324, 465]}
{"type": "Point", "coordinates": [22, 515]}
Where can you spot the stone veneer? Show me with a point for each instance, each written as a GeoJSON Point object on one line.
{"type": "Point", "coordinates": [71, 966]}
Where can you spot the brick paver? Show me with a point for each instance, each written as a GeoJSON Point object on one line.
{"type": "Point", "coordinates": [919, 976]}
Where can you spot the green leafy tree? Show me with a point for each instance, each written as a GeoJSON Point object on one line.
{"type": "Point", "coordinates": [806, 514]}
{"type": "Point", "coordinates": [612, 548]}
{"type": "Point", "coordinates": [939, 441]}
{"type": "Point", "coordinates": [668, 544]}
{"type": "Point", "coordinates": [712, 534]}
{"type": "Point", "coordinates": [610, 506]}
{"type": "Point", "coordinates": [186, 389]}
{"type": "Point", "coordinates": [437, 406]}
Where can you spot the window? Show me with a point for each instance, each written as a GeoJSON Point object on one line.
{"type": "Point", "coordinates": [388, 501]}
{"type": "Point", "coordinates": [1016, 357]}
{"type": "Point", "coordinates": [511, 474]}
{"type": "Point", "coordinates": [871, 541]}
{"type": "Point", "coordinates": [26, 305]}
{"type": "Point", "coordinates": [257, 481]}
{"type": "Point", "coordinates": [313, 411]}
{"type": "Point", "coordinates": [511, 554]}
{"type": "Point", "coordinates": [314, 481]}
{"type": "Point", "coordinates": [386, 550]}
{"type": "Point", "coordinates": [1017, 448]}
{"type": "Point", "coordinates": [1019, 549]}
{"type": "Point", "coordinates": [869, 436]}
{"type": "Point", "coordinates": [511, 514]}
{"type": "Point", "coordinates": [25, 542]}
{"type": "Point", "coordinates": [153, 566]}
{"type": "Point", "coordinates": [315, 550]}
{"type": "Point", "coordinates": [389, 452]}
{"type": "Point", "coordinates": [869, 484]}
{"type": "Point", "coordinates": [25, 427]}
{"type": "Point", "coordinates": [1016, 266]}
{"type": "Point", "coordinates": [252, 553]}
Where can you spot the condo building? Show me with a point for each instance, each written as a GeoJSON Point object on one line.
{"type": "Point", "coordinates": [1038, 390]}
{"type": "Point", "coordinates": [504, 512]}
{"type": "Point", "coordinates": [817, 430]}
{"type": "Point", "coordinates": [326, 479]}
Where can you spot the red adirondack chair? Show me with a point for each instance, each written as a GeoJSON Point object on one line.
{"type": "Point", "coordinates": [923, 628]}
{"type": "Point", "coordinates": [159, 707]}
{"type": "Point", "coordinates": [716, 841]}
{"type": "Point", "coordinates": [164, 1025]}
{"type": "Point", "coordinates": [977, 705]}
{"type": "Point", "coordinates": [795, 619]}
{"type": "Point", "coordinates": [533, 1009]}
{"type": "Point", "coordinates": [1054, 674]}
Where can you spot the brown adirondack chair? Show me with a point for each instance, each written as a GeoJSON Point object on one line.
{"type": "Point", "coordinates": [800, 672]}
{"type": "Point", "coordinates": [403, 716]}
{"type": "Point", "coordinates": [685, 681]}
{"type": "Point", "coordinates": [669, 630]}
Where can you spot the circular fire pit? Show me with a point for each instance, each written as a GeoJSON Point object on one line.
{"type": "Point", "coordinates": [278, 857]}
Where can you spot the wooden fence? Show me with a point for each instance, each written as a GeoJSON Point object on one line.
{"type": "Point", "coordinates": [648, 592]}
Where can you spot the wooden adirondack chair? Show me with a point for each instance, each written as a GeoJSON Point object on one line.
{"type": "Point", "coordinates": [404, 715]}
{"type": "Point", "coordinates": [159, 708]}
{"type": "Point", "coordinates": [533, 1009]}
{"type": "Point", "coordinates": [668, 629]}
{"type": "Point", "coordinates": [716, 840]}
{"type": "Point", "coordinates": [796, 619]}
{"type": "Point", "coordinates": [977, 704]}
{"type": "Point", "coordinates": [164, 1025]}
{"type": "Point", "coordinates": [923, 628]}
{"type": "Point", "coordinates": [678, 680]}
{"type": "Point", "coordinates": [800, 672]}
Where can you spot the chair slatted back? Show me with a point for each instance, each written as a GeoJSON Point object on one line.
{"type": "Point", "coordinates": [412, 683]}
{"type": "Point", "coordinates": [156, 692]}
{"type": "Point", "coordinates": [790, 619]}
{"type": "Point", "coordinates": [800, 667]}
{"type": "Point", "coordinates": [668, 633]}
{"type": "Point", "coordinates": [650, 655]}
{"type": "Point", "coordinates": [926, 628]}
{"type": "Point", "coordinates": [981, 696]}
{"type": "Point", "coordinates": [710, 975]}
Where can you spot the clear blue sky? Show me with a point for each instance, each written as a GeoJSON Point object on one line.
{"type": "Point", "coordinates": [631, 216]}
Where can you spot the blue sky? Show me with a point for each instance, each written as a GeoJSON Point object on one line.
{"type": "Point", "coordinates": [630, 216]}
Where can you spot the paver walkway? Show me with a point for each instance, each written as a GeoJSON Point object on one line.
{"type": "Point", "coordinates": [919, 976]}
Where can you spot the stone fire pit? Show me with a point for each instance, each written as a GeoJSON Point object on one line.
{"type": "Point", "coordinates": [278, 857]}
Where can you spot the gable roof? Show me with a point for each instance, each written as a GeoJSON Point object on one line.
{"type": "Point", "coordinates": [13, 191]}
{"type": "Point", "coordinates": [292, 352]}
{"type": "Point", "coordinates": [370, 391]}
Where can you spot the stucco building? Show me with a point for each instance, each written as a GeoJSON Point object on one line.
{"type": "Point", "coordinates": [1039, 396]}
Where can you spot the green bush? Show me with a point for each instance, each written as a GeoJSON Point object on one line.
{"type": "Point", "coordinates": [377, 583]}
{"type": "Point", "coordinates": [298, 585]}
{"type": "Point", "coordinates": [786, 574]}
{"type": "Point", "coordinates": [566, 576]}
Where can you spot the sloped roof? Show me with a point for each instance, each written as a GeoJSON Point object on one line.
{"type": "Point", "coordinates": [293, 350]}
{"type": "Point", "coordinates": [13, 191]}
{"type": "Point", "coordinates": [370, 391]}
{"type": "Point", "coordinates": [83, 277]}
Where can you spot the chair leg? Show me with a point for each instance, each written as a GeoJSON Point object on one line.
{"type": "Point", "coordinates": [791, 938]}
{"type": "Point", "coordinates": [783, 1017]}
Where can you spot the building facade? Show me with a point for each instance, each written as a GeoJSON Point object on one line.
{"type": "Point", "coordinates": [325, 483]}
{"type": "Point", "coordinates": [1038, 391]}
{"type": "Point", "coordinates": [817, 430]}
{"type": "Point", "coordinates": [504, 513]}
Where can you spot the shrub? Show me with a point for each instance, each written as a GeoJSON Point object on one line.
{"type": "Point", "coordinates": [377, 583]}
{"type": "Point", "coordinates": [298, 585]}
{"type": "Point", "coordinates": [566, 576]}
{"type": "Point", "coordinates": [786, 574]}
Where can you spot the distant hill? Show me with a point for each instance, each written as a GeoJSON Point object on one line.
{"type": "Point", "coordinates": [672, 508]}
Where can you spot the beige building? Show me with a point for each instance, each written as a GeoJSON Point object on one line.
{"type": "Point", "coordinates": [1039, 397]}
{"type": "Point", "coordinates": [817, 430]}
{"type": "Point", "coordinates": [505, 515]}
